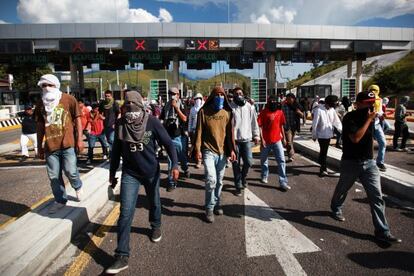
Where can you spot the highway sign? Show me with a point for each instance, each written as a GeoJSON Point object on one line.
{"type": "Point", "coordinates": [158, 88]}
{"type": "Point", "coordinates": [16, 47]}
{"type": "Point", "coordinates": [202, 44]}
{"type": "Point", "coordinates": [258, 90]}
{"type": "Point", "coordinates": [259, 45]}
{"type": "Point", "coordinates": [78, 46]}
{"type": "Point", "coordinates": [348, 88]}
{"type": "Point", "coordinates": [140, 45]}
{"type": "Point", "coordinates": [30, 59]}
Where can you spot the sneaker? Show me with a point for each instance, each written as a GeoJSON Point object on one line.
{"type": "Point", "coordinates": [397, 149]}
{"type": "Point", "coordinates": [79, 194]}
{"type": "Point", "coordinates": [56, 206]}
{"type": "Point", "coordinates": [389, 238]}
{"type": "Point", "coordinates": [264, 180]}
{"type": "Point", "coordinates": [171, 188]}
{"type": "Point", "coordinates": [23, 158]}
{"type": "Point", "coordinates": [338, 216]}
{"type": "Point", "coordinates": [88, 162]}
{"type": "Point", "coordinates": [218, 211]}
{"type": "Point", "coordinates": [198, 165]}
{"type": "Point", "coordinates": [187, 174]}
{"type": "Point", "coordinates": [285, 187]}
{"type": "Point", "coordinates": [238, 192]}
{"type": "Point", "coordinates": [121, 263]}
{"type": "Point", "coordinates": [105, 157]}
{"type": "Point", "coordinates": [290, 159]}
{"type": "Point", "coordinates": [244, 183]}
{"type": "Point", "coordinates": [156, 234]}
{"type": "Point", "coordinates": [382, 167]}
{"type": "Point", "coordinates": [209, 216]}
{"type": "Point", "coordinates": [323, 173]}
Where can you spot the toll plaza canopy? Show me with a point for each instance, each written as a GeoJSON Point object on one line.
{"type": "Point", "coordinates": [113, 45]}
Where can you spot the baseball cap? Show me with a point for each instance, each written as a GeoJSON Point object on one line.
{"type": "Point", "coordinates": [365, 97]}
{"type": "Point", "coordinates": [27, 107]}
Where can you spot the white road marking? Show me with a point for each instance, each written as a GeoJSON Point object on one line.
{"type": "Point", "coordinates": [22, 167]}
{"type": "Point", "coordinates": [267, 233]}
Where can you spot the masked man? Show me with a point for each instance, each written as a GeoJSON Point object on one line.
{"type": "Point", "coordinates": [214, 142]}
{"type": "Point", "coordinates": [379, 135]}
{"type": "Point", "coordinates": [174, 119]}
{"type": "Point", "coordinates": [358, 163]}
{"type": "Point", "coordinates": [245, 129]}
{"type": "Point", "coordinates": [136, 135]}
{"type": "Point", "coordinates": [58, 116]}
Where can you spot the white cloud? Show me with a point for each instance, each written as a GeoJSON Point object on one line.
{"type": "Point", "coordinates": [339, 12]}
{"type": "Point", "coordinates": [65, 11]}
{"type": "Point", "coordinates": [3, 22]}
{"type": "Point", "coordinates": [260, 20]}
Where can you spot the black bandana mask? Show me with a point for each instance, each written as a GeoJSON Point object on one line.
{"type": "Point", "coordinates": [239, 100]}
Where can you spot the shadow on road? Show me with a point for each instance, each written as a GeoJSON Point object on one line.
{"type": "Point", "coordinates": [386, 259]}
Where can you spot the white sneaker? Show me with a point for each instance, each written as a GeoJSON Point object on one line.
{"type": "Point", "coordinates": [105, 157]}
{"type": "Point", "coordinates": [79, 194]}
{"type": "Point", "coordinates": [264, 180]}
{"type": "Point", "coordinates": [88, 162]}
{"type": "Point", "coordinates": [56, 206]}
{"type": "Point", "coordinates": [285, 187]}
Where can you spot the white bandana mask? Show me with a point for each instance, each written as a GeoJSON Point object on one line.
{"type": "Point", "coordinates": [51, 97]}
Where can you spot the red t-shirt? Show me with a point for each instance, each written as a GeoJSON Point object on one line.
{"type": "Point", "coordinates": [271, 124]}
{"type": "Point", "coordinates": [96, 124]}
{"type": "Point", "coordinates": [84, 117]}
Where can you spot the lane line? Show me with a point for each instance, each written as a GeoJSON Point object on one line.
{"type": "Point", "coordinates": [82, 260]}
{"type": "Point", "coordinates": [34, 206]}
{"type": "Point", "coordinates": [22, 167]}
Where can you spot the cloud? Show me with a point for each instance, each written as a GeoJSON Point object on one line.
{"type": "Point", "coordinates": [76, 11]}
{"type": "Point", "coordinates": [3, 22]}
{"type": "Point", "coordinates": [325, 12]}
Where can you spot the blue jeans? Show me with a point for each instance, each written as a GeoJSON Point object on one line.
{"type": "Point", "coordinates": [129, 194]}
{"type": "Point", "coordinates": [92, 141]}
{"type": "Point", "coordinates": [243, 151]}
{"type": "Point", "coordinates": [368, 174]}
{"type": "Point", "coordinates": [380, 137]}
{"type": "Point", "coordinates": [214, 168]}
{"type": "Point", "coordinates": [180, 145]}
{"type": "Point", "coordinates": [56, 161]}
{"type": "Point", "coordinates": [277, 149]}
{"type": "Point", "coordinates": [110, 136]}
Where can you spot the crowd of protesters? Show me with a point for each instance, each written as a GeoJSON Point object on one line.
{"type": "Point", "coordinates": [209, 131]}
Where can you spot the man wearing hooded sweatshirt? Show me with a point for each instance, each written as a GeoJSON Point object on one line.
{"type": "Point", "coordinates": [192, 121]}
{"type": "Point", "coordinates": [379, 135]}
{"type": "Point", "coordinates": [400, 124]}
{"type": "Point", "coordinates": [58, 116]}
{"type": "Point", "coordinates": [214, 142]}
{"type": "Point", "coordinates": [245, 128]}
{"type": "Point", "coordinates": [174, 119]}
{"type": "Point", "coordinates": [324, 121]}
{"type": "Point", "coordinates": [137, 135]}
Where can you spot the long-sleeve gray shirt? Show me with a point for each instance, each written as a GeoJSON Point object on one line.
{"type": "Point", "coordinates": [245, 122]}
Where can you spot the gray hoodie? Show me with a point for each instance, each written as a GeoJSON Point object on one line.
{"type": "Point", "coordinates": [245, 122]}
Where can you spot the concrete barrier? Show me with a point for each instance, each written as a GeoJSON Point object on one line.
{"type": "Point", "coordinates": [395, 181]}
{"type": "Point", "coordinates": [32, 242]}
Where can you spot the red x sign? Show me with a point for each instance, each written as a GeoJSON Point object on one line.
{"type": "Point", "coordinates": [260, 45]}
{"type": "Point", "coordinates": [139, 45]}
{"type": "Point", "coordinates": [77, 46]}
{"type": "Point", "coordinates": [202, 44]}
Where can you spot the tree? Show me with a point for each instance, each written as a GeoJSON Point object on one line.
{"type": "Point", "coordinates": [26, 77]}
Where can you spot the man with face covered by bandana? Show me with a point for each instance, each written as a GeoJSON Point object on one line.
{"type": "Point", "coordinates": [358, 163]}
{"type": "Point", "coordinates": [58, 117]}
{"type": "Point", "coordinates": [271, 121]}
{"type": "Point", "coordinates": [214, 142]}
{"type": "Point", "coordinates": [379, 135]}
{"type": "Point", "coordinates": [135, 140]}
{"type": "Point", "coordinates": [245, 130]}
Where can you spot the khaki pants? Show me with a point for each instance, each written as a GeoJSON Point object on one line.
{"type": "Point", "coordinates": [289, 142]}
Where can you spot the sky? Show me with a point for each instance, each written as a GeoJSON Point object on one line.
{"type": "Point", "coordinates": [381, 13]}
